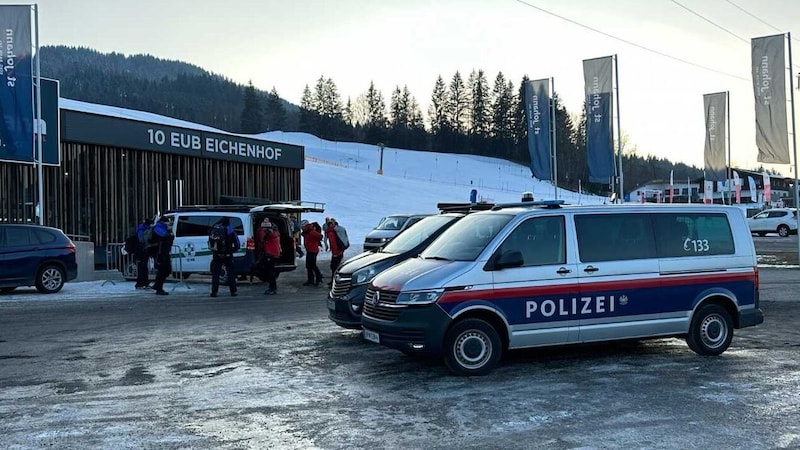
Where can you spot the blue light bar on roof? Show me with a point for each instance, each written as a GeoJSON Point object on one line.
{"type": "Point", "coordinates": [544, 203]}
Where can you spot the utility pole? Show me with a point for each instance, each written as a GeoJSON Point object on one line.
{"type": "Point", "coordinates": [380, 168]}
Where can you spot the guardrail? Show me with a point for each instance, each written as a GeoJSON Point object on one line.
{"type": "Point", "coordinates": [178, 275]}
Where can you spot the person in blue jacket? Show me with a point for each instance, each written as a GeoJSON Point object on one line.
{"type": "Point", "coordinates": [164, 237]}
{"type": "Point", "coordinates": [140, 255]}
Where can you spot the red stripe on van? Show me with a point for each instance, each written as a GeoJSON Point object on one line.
{"type": "Point", "coordinates": [588, 285]}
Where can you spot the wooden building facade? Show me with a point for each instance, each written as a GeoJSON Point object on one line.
{"type": "Point", "coordinates": [120, 166]}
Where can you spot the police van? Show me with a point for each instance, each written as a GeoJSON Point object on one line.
{"type": "Point", "coordinates": [544, 273]}
{"type": "Point", "coordinates": [192, 225]}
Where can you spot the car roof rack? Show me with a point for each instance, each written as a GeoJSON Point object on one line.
{"type": "Point", "coordinates": [297, 205]}
{"type": "Point", "coordinates": [547, 204]}
{"type": "Point", "coordinates": [220, 208]}
{"type": "Point", "coordinates": [463, 207]}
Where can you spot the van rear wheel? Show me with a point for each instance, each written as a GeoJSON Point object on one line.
{"type": "Point", "coordinates": [472, 347]}
{"type": "Point", "coordinates": [711, 331]}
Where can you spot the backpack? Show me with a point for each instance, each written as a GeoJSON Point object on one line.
{"type": "Point", "coordinates": [341, 238]}
{"type": "Point", "coordinates": [150, 242]}
{"type": "Point", "coordinates": [132, 244]}
{"type": "Point", "coordinates": [217, 239]}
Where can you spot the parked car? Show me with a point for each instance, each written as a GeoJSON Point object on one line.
{"type": "Point", "coordinates": [777, 220]}
{"type": "Point", "coordinates": [346, 296]}
{"type": "Point", "coordinates": [34, 255]}
{"type": "Point", "coordinates": [389, 227]}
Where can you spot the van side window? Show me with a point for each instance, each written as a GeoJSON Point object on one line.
{"type": "Point", "coordinates": [614, 237]}
{"type": "Point", "coordinates": [201, 225]}
{"type": "Point", "coordinates": [679, 234]}
{"type": "Point", "coordinates": [540, 240]}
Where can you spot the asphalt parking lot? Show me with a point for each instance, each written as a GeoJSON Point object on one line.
{"type": "Point", "coordinates": [118, 368]}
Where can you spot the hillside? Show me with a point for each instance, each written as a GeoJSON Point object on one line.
{"type": "Point", "coordinates": [143, 82]}
{"type": "Point", "coordinates": [187, 92]}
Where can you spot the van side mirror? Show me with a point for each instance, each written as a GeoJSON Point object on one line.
{"type": "Point", "coordinates": [512, 258]}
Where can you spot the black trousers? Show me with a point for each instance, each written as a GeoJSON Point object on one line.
{"type": "Point", "coordinates": [269, 272]}
{"type": "Point", "coordinates": [217, 263]}
{"type": "Point", "coordinates": [335, 261]}
{"type": "Point", "coordinates": [163, 269]}
{"type": "Point", "coordinates": [314, 274]}
{"type": "Point", "coordinates": [142, 275]}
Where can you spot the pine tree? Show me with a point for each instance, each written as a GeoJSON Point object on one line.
{"type": "Point", "coordinates": [252, 120]}
{"type": "Point", "coordinates": [481, 103]}
{"type": "Point", "coordinates": [308, 122]}
{"type": "Point", "coordinates": [347, 114]}
{"type": "Point", "coordinates": [520, 150]}
{"type": "Point", "coordinates": [328, 106]}
{"type": "Point", "coordinates": [437, 111]}
{"type": "Point", "coordinates": [457, 105]}
{"type": "Point", "coordinates": [398, 115]}
{"type": "Point", "coordinates": [275, 111]}
{"type": "Point", "coordinates": [376, 127]}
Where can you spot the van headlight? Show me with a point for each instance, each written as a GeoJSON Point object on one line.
{"type": "Point", "coordinates": [365, 275]}
{"type": "Point", "coordinates": [425, 297]}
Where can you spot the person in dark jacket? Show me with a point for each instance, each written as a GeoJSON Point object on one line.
{"type": "Point", "coordinates": [141, 257]}
{"type": "Point", "coordinates": [312, 238]}
{"type": "Point", "coordinates": [224, 258]}
{"type": "Point", "coordinates": [164, 237]}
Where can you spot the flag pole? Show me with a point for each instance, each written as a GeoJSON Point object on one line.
{"type": "Point", "coordinates": [553, 133]}
{"type": "Point", "coordinates": [619, 132]}
{"type": "Point", "coordinates": [729, 169]}
{"type": "Point", "coordinates": [794, 139]}
{"type": "Point", "coordinates": [39, 124]}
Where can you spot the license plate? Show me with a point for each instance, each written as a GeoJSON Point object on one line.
{"type": "Point", "coordinates": [372, 336]}
{"type": "Point", "coordinates": [331, 304]}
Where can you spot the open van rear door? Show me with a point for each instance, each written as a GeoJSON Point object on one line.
{"type": "Point", "coordinates": [299, 207]}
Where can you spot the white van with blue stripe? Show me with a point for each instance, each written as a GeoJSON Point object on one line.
{"type": "Point", "coordinates": [544, 273]}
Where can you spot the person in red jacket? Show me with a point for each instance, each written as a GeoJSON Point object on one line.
{"type": "Point", "coordinates": [312, 238]}
{"type": "Point", "coordinates": [338, 241]}
{"type": "Point", "coordinates": [270, 240]}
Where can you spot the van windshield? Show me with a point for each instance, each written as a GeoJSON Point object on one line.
{"type": "Point", "coordinates": [416, 234]}
{"type": "Point", "coordinates": [465, 240]}
{"type": "Point", "coordinates": [392, 223]}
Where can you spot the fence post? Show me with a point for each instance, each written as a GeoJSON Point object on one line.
{"type": "Point", "coordinates": [113, 252]}
{"type": "Point", "coordinates": [176, 249]}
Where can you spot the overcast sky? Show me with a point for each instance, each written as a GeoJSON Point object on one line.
{"type": "Point", "coordinates": [288, 44]}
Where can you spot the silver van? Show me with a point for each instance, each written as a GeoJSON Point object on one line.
{"type": "Point", "coordinates": [543, 273]}
{"type": "Point", "coordinates": [389, 227]}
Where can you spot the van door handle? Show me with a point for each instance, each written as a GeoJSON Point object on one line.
{"type": "Point", "coordinates": [563, 271]}
{"type": "Point", "coordinates": [590, 269]}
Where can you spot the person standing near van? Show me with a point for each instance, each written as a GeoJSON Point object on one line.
{"type": "Point", "coordinates": [223, 243]}
{"type": "Point", "coordinates": [140, 255]}
{"type": "Point", "coordinates": [296, 232]}
{"type": "Point", "coordinates": [325, 247]}
{"type": "Point", "coordinates": [312, 237]}
{"type": "Point", "coordinates": [164, 238]}
{"type": "Point", "coordinates": [271, 241]}
{"type": "Point", "coordinates": [338, 241]}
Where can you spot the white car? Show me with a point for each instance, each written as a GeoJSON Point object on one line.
{"type": "Point", "coordinates": [778, 220]}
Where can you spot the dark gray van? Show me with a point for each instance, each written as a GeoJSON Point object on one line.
{"type": "Point", "coordinates": [389, 227]}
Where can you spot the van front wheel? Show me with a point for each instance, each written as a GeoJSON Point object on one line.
{"type": "Point", "coordinates": [472, 347]}
{"type": "Point", "coordinates": [711, 331]}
